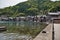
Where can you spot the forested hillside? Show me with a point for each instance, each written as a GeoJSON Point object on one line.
{"type": "Point", "coordinates": [31, 7]}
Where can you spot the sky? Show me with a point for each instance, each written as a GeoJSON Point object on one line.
{"type": "Point", "coordinates": [54, 0]}
{"type": "Point", "coordinates": [7, 3]}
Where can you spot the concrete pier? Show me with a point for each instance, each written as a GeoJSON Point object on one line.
{"type": "Point", "coordinates": [47, 35]}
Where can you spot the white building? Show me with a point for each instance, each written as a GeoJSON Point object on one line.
{"type": "Point", "coordinates": [54, 16]}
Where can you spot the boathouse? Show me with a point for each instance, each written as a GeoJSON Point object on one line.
{"type": "Point", "coordinates": [3, 28]}
{"type": "Point", "coordinates": [55, 16]}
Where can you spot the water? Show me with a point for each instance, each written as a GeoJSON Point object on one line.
{"type": "Point", "coordinates": [14, 36]}
{"type": "Point", "coordinates": [14, 24]}
{"type": "Point", "coordinates": [19, 23]}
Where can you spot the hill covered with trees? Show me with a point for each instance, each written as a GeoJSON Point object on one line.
{"type": "Point", "coordinates": [31, 7]}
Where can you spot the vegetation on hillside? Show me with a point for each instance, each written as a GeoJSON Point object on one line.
{"type": "Point", "coordinates": [31, 7]}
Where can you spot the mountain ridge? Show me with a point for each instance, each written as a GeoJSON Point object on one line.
{"type": "Point", "coordinates": [32, 7]}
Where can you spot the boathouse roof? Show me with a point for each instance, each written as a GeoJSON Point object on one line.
{"type": "Point", "coordinates": [54, 13]}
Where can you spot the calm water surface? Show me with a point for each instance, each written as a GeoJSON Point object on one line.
{"type": "Point", "coordinates": [19, 23]}
{"type": "Point", "coordinates": [15, 23]}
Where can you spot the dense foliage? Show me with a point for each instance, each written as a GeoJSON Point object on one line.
{"type": "Point", "coordinates": [31, 7]}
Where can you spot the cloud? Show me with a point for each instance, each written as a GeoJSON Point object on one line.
{"type": "Point", "coordinates": [54, 0]}
{"type": "Point", "coordinates": [6, 3]}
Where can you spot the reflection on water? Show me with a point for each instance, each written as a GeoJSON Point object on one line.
{"type": "Point", "coordinates": [14, 36]}
{"type": "Point", "coordinates": [19, 23]}
{"type": "Point", "coordinates": [14, 24]}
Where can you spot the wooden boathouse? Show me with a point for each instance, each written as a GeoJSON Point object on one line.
{"type": "Point", "coordinates": [55, 17]}
{"type": "Point", "coordinates": [3, 28]}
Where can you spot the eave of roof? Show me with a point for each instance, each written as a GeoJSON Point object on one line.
{"type": "Point", "coordinates": [53, 13]}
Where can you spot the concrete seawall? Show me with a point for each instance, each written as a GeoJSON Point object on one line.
{"type": "Point", "coordinates": [45, 36]}
{"type": "Point", "coordinates": [57, 31]}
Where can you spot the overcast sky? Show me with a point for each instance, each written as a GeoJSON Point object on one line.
{"type": "Point", "coordinates": [6, 3]}
{"type": "Point", "coordinates": [54, 0]}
